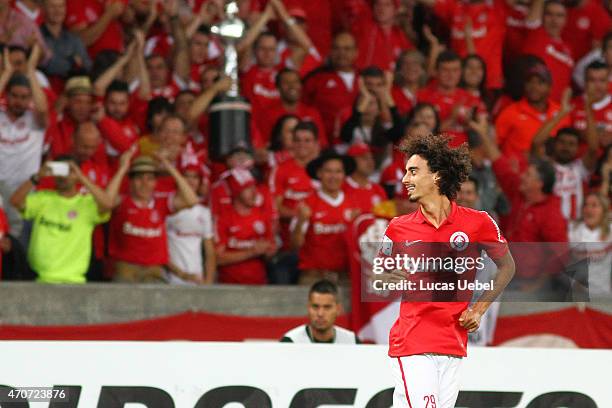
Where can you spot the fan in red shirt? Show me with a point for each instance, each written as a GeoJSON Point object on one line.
{"type": "Point", "coordinates": [290, 183]}
{"type": "Point", "coordinates": [535, 215]}
{"type": "Point", "coordinates": [519, 122]}
{"type": "Point", "coordinates": [118, 129]}
{"type": "Point", "coordinates": [333, 87]}
{"type": "Point", "coordinates": [289, 86]}
{"type": "Point", "coordinates": [484, 22]}
{"type": "Point", "coordinates": [596, 82]}
{"type": "Point", "coordinates": [587, 23]}
{"type": "Point", "coordinates": [546, 43]}
{"type": "Point", "coordinates": [429, 339]}
{"type": "Point", "coordinates": [322, 220]}
{"type": "Point", "coordinates": [79, 109]}
{"type": "Point", "coordinates": [455, 105]}
{"type": "Point", "coordinates": [244, 234]}
{"type": "Point", "coordinates": [257, 83]}
{"type": "Point", "coordinates": [358, 185]}
{"type": "Point", "coordinates": [137, 237]}
{"type": "Point", "coordinates": [97, 23]}
{"type": "Point", "coordinates": [409, 77]}
{"type": "Point", "coordinates": [379, 39]}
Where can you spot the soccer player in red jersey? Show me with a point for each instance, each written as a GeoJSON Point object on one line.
{"type": "Point", "coordinates": [429, 339]}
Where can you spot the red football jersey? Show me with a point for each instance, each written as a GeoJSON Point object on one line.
{"type": "Point", "coordinates": [404, 99]}
{"type": "Point", "coordinates": [365, 198]}
{"type": "Point", "coordinates": [236, 232]}
{"type": "Point", "coordinates": [84, 13]}
{"type": "Point", "coordinates": [602, 112]}
{"type": "Point", "coordinates": [257, 84]}
{"type": "Point", "coordinates": [325, 233]}
{"type": "Point", "coordinates": [488, 31]}
{"type": "Point", "coordinates": [138, 234]}
{"type": "Point", "coordinates": [433, 327]}
{"type": "Point", "coordinates": [119, 136]}
{"type": "Point", "coordinates": [586, 23]}
{"type": "Point", "coordinates": [557, 56]}
{"type": "Point", "coordinates": [377, 46]}
{"type": "Point", "coordinates": [446, 102]}
{"type": "Point", "coordinates": [290, 181]}
{"type": "Point", "coordinates": [327, 91]}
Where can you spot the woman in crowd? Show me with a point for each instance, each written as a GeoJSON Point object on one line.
{"type": "Point", "coordinates": [591, 240]}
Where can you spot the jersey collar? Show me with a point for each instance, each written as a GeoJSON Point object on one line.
{"type": "Point", "coordinates": [449, 220]}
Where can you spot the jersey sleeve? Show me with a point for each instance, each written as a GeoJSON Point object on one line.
{"type": "Point", "coordinates": [92, 209]}
{"type": "Point", "coordinates": [491, 238]}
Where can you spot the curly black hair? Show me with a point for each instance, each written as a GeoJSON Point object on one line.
{"type": "Point", "coordinates": [453, 165]}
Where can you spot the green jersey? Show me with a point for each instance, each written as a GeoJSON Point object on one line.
{"type": "Point", "coordinates": [60, 245]}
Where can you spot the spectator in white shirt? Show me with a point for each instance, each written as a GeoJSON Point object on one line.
{"type": "Point", "coordinates": [190, 231]}
{"type": "Point", "coordinates": [22, 129]}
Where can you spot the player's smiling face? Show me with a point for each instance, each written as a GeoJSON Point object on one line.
{"type": "Point", "coordinates": [419, 181]}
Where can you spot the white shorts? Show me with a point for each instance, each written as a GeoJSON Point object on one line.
{"type": "Point", "coordinates": [425, 381]}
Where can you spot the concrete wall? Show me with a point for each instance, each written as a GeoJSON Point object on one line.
{"type": "Point", "coordinates": [37, 304]}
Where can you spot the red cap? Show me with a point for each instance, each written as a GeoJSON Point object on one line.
{"type": "Point", "coordinates": [297, 12]}
{"type": "Point", "coordinates": [238, 180]}
{"type": "Point", "coordinates": [359, 149]}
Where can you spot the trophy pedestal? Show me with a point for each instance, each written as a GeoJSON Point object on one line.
{"type": "Point", "coordinates": [230, 125]}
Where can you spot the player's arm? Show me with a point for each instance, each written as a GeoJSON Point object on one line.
{"type": "Point", "coordinates": [470, 318]}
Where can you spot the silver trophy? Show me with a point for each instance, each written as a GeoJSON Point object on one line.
{"type": "Point", "coordinates": [230, 113]}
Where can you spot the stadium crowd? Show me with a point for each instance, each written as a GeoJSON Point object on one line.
{"type": "Point", "coordinates": [105, 171]}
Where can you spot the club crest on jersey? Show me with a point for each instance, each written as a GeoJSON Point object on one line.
{"type": "Point", "coordinates": [259, 227]}
{"type": "Point", "coordinates": [154, 216]}
{"type": "Point", "coordinates": [386, 246]}
{"type": "Point", "coordinates": [459, 241]}
{"type": "Point", "coordinates": [348, 214]}
{"type": "Point", "coordinates": [72, 214]}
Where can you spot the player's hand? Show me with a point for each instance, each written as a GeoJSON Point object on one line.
{"type": "Point", "coordinates": [395, 276]}
{"type": "Point", "coordinates": [126, 158]}
{"type": "Point", "coordinates": [470, 320]}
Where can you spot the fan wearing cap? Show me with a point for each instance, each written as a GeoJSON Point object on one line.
{"type": "Point", "coordinates": [190, 232]}
{"type": "Point", "coordinates": [379, 38]}
{"type": "Point", "coordinates": [244, 234]}
{"type": "Point", "coordinates": [138, 239]}
{"type": "Point", "coordinates": [519, 122]}
{"type": "Point", "coordinates": [319, 228]}
{"type": "Point", "coordinates": [358, 185]}
{"type": "Point", "coordinates": [221, 195]}
{"type": "Point", "coordinates": [22, 126]}
{"type": "Point", "coordinates": [79, 109]}
{"type": "Point", "coordinates": [545, 42]}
